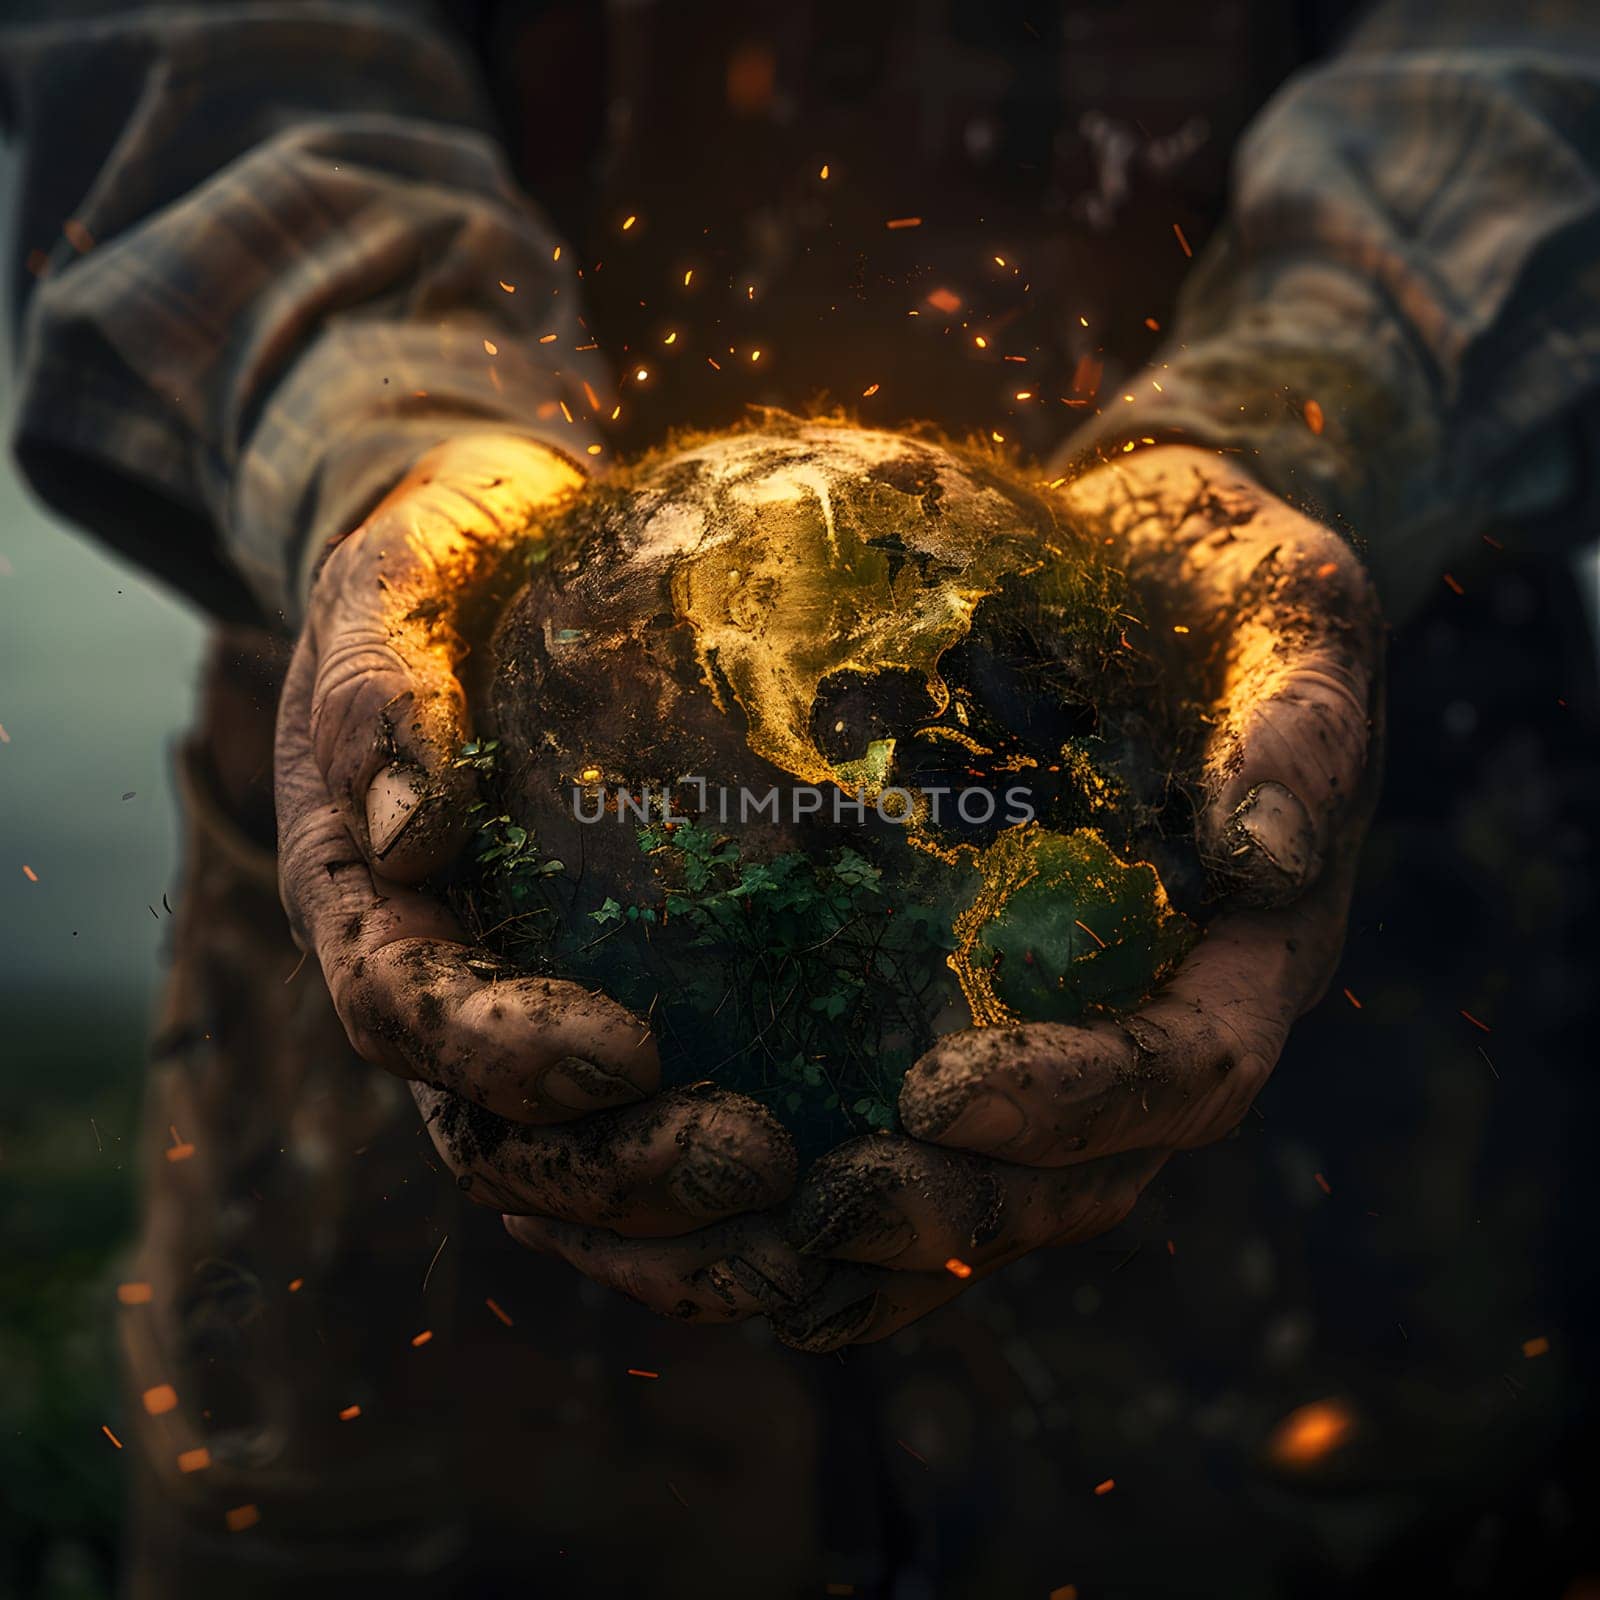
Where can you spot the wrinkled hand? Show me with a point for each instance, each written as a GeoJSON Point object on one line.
{"type": "Point", "coordinates": [1045, 1134]}
{"type": "Point", "coordinates": [540, 1095]}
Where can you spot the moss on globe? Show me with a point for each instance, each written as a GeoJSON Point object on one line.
{"type": "Point", "coordinates": [812, 742]}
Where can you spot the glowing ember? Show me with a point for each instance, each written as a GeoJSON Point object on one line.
{"type": "Point", "coordinates": [160, 1400]}
{"type": "Point", "coordinates": [1310, 1433]}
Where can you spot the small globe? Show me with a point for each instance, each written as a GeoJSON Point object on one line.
{"type": "Point", "coordinates": [811, 743]}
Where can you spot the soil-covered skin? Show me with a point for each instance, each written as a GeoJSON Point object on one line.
{"type": "Point", "coordinates": [824, 614]}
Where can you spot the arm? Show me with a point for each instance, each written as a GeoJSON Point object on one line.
{"type": "Point", "coordinates": [295, 304]}
{"type": "Point", "coordinates": [1414, 246]}
{"type": "Point", "coordinates": [270, 242]}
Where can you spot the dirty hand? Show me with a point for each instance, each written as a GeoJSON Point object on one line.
{"type": "Point", "coordinates": [1043, 1133]}
{"type": "Point", "coordinates": [540, 1095]}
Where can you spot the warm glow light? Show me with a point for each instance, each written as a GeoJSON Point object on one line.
{"type": "Point", "coordinates": [1310, 1433]}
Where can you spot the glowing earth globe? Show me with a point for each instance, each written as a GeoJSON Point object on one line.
{"type": "Point", "coordinates": [810, 743]}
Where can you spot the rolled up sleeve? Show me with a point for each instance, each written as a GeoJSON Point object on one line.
{"type": "Point", "coordinates": [277, 257]}
{"type": "Point", "coordinates": [1399, 326]}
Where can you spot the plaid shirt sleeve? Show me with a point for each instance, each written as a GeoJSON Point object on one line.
{"type": "Point", "coordinates": [274, 257]}
{"type": "Point", "coordinates": [1399, 327]}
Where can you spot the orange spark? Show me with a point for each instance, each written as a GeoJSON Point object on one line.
{"type": "Point", "coordinates": [29, 873]}
{"type": "Point", "coordinates": [1322, 1183]}
{"type": "Point", "coordinates": [350, 1413]}
{"type": "Point", "coordinates": [556, 254]}
{"type": "Point", "coordinates": [1106, 1486]}
{"type": "Point", "coordinates": [824, 173]}
{"type": "Point", "coordinates": [1451, 583]}
{"type": "Point", "coordinates": [641, 375]}
{"type": "Point", "coordinates": [1024, 394]}
{"type": "Point", "coordinates": [420, 1339]}
{"type": "Point", "coordinates": [642, 1372]}
{"type": "Point", "coordinates": [548, 338]}
{"type": "Point", "coordinates": [1313, 416]}
{"type": "Point", "coordinates": [957, 1268]}
{"type": "Point", "coordinates": [240, 1518]}
{"type": "Point", "coordinates": [160, 1400]}
{"type": "Point", "coordinates": [869, 391]}
{"type": "Point", "coordinates": [945, 300]}
{"type": "Point", "coordinates": [1152, 324]}
{"type": "Point", "coordinates": [687, 277]}
{"type": "Point", "coordinates": [1352, 999]}
{"type": "Point", "coordinates": [903, 222]}
{"type": "Point", "coordinates": [110, 1435]}
{"type": "Point", "coordinates": [134, 1294]}
{"type": "Point", "coordinates": [755, 355]}
{"type": "Point", "coordinates": [1092, 934]}
{"type": "Point", "coordinates": [1181, 240]}
{"type": "Point", "coordinates": [593, 449]}
{"type": "Point", "coordinates": [671, 338]}
{"type": "Point", "coordinates": [1311, 1432]}
{"type": "Point", "coordinates": [1475, 1023]}
{"type": "Point", "coordinates": [490, 348]}
{"type": "Point", "coordinates": [1327, 569]}
{"type": "Point", "coordinates": [296, 1284]}
{"type": "Point", "coordinates": [628, 222]}
{"type": "Point", "coordinates": [196, 1460]}
{"type": "Point", "coordinates": [494, 1307]}
{"type": "Point", "coordinates": [510, 288]}
{"type": "Point", "coordinates": [979, 340]}
{"type": "Point", "coordinates": [179, 1152]}
{"type": "Point", "coordinates": [1535, 1347]}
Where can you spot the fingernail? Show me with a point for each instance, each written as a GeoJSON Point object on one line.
{"type": "Point", "coordinates": [574, 1084]}
{"type": "Point", "coordinates": [990, 1122]}
{"type": "Point", "coordinates": [392, 802]}
{"type": "Point", "coordinates": [1273, 820]}
{"type": "Point", "coordinates": [709, 1185]}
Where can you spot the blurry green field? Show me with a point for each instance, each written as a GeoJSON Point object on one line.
{"type": "Point", "coordinates": [66, 1209]}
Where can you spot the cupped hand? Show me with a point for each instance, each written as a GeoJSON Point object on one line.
{"type": "Point", "coordinates": [1265, 623]}
{"type": "Point", "coordinates": [540, 1094]}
